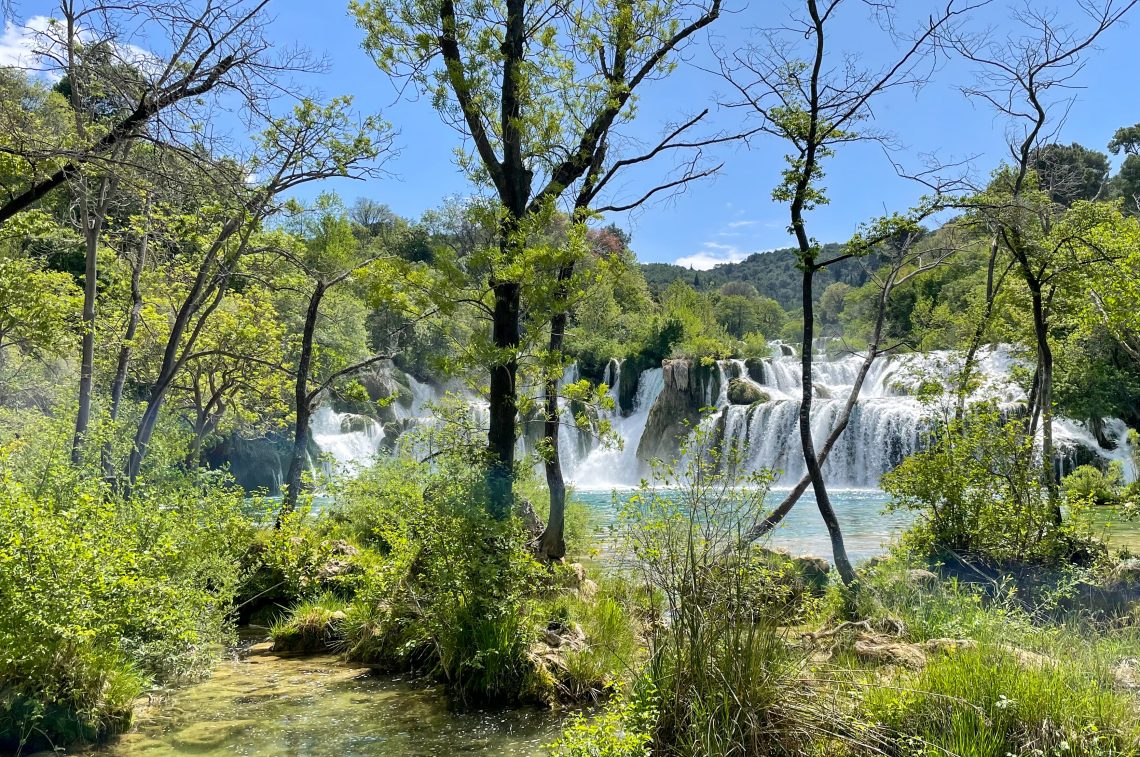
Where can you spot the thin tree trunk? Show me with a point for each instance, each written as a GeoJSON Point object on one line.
{"type": "Point", "coordinates": [552, 543]}
{"type": "Point", "coordinates": [92, 220]}
{"type": "Point", "coordinates": [993, 286]}
{"type": "Point", "coordinates": [303, 402]}
{"type": "Point", "coordinates": [811, 462]}
{"type": "Point", "coordinates": [1045, 398]}
{"type": "Point", "coordinates": [124, 361]}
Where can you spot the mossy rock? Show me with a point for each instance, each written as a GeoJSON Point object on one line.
{"type": "Point", "coordinates": [741, 392]}
{"type": "Point", "coordinates": [755, 368]}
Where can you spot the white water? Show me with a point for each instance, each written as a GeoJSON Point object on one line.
{"type": "Point", "coordinates": [351, 441]}
{"type": "Point", "coordinates": [609, 467]}
{"type": "Point", "coordinates": [887, 424]}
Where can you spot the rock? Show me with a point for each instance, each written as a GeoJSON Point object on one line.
{"type": "Point", "coordinates": [921, 578]}
{"type": "Point", "coordinates": [884, 650]}
{"type": "Point", "coordinates": [212, 735]}
{"type": "Point", "coordinates": [577, 573]}
{"type": "Point", "coordinates": [741, 392]}
{"type": "Point", "coordinates": [334, 568]}
{"type": "Point", "coordinates": [755, 368]}
{"type": "Point", "coordinates": [352, 424]}
{"type": "Point", "coordinates": [1127, 673]}
{"type": "Point", "coordinates": [337, 616]}
{"type": "Point", "coordinates": [341, 547]}
{"type": "Point", "coordinates": [814, 570]}
{"type": "Point", "coordinates": [587, 590]}
{"type": "Point", "coordinates": [1125, 574]}
{"type": "Point", "coordinates": [688, 387]}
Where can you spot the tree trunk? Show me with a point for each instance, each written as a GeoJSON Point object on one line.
{"type": "Point", "coordinates": [552, 543]}
{"type": "Point", "coordinates": [92, 219]}
{"type": "Point", "coordinates": [303, 402]}
{"type": "Point", "coordinates": [1045, 398]}
{"type": "Point", "coordinates": [124, 361]}
{"type": "Point", "coordinates": [501, 432]}
{"type": "Point", "coordinates": [811, 462]}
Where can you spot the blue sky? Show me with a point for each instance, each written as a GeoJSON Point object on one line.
{"type": "Point", "coordinates": [731, 215]}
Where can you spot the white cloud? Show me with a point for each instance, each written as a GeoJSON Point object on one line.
{"type": "Point", "coordinates": [741, 224]}
{"type": "Point", "coordinates": [711, 256]}
{"type": "Point", "coordinates": [22, 45]}
{"type": "Point", "coordinates": [18, 41]}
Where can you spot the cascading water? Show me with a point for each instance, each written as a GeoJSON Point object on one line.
{"type": "Point", "coordinates": [887, 423]}
{"type": "Point", "coordinates": [608, 467]}
{"type": "Point", "coordinates": [352, 441]}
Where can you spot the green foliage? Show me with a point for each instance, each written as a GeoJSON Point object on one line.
{"type": "Point", "coordinates": [314, 625]}
{"type": "Point", "coordinates": [1092, 485]}
{"type": "Point", "coordinates": [726, 681]}
{"type": "Point", "coordinates": [98, 596]}
{"type": "Point", "coordinates": [452, 591]}
{"type": "Point", "coordinates": [981, 701]}
{"type": "Point", "coordinates": [623, 729]}
{"type": "Point", "coordinates": [978, 488]}
{"type": "Point", "coordinates": [772, 274]}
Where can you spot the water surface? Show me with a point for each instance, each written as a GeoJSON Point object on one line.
{"type": "Point", "coordinates": [867, 529]}
{"type": "Point", "coordinates": [260, 704]}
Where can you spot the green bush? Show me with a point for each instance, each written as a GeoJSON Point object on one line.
{"type": "Point", "coordinates": [98, 596]}
{"type": "Point", "coordinates": [980, 491]}
{"type": "Point", "coordinates": [453, 591]}
{"type": "Point", "coordinates": [1088, 484]}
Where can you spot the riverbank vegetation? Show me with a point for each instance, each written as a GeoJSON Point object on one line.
{"type": "Point", "coordinates": [180, 312]}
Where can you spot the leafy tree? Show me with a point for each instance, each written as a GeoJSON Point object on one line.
{"type": "Point", "coordinates": [1126, 183]}
{"type": "Point", "coordinates": [1071, 172]}
{"type": "Point", "coordinates": [537, 88]}
{"type": "Point", "coordinates": [37, 312]}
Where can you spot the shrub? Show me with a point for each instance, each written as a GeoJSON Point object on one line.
{"type": "Point", "coordinates": [99, 595]}
{"type": "Point", "coordinates": [726, 681]}
{"type": "Point", "coordinates": [454, 591]}
{"type": "Point", "coordinates": [979, 489]}
{"type": "Point", "coordinates": [1092, 485]}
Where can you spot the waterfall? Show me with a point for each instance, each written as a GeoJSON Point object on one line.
{"type": "Point", "coordinates": [352, 441]}
{"type": "Point", "coordinates": [887, 424]}
{"type": "Point", "coordinates": [608, 467]}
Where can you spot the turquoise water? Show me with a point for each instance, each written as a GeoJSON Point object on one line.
{"type": "Point", "coordinates": [867, 530]}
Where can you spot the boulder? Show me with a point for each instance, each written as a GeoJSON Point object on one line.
{"type": "Point", "coordinates": [884, 650]}
{"type": "Point", "coordinates": [755, 368]}
{"type": "Point", "coordinates": [921, 578]}
{"type": "Point", "coordinates": [742, 392]}
{"type": "Point", "coordinates": [1126, 673]}
{"type": "Point", "coordinates": [815, 571]}
{"type": "Point", "coordinates": [688, 387]}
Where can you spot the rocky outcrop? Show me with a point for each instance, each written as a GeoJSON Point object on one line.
{"type": "Point", "coordinates": [688, 387]}
{"type": "Point", "coordinates": [255, 464]}
{"type": "Point", "coordinates": [755, 368]}
{"type": "Point", "coordinates": [741, 392]}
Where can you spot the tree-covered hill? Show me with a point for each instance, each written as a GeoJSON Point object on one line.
{"type": "Point", "coordinates": [773, 273]}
